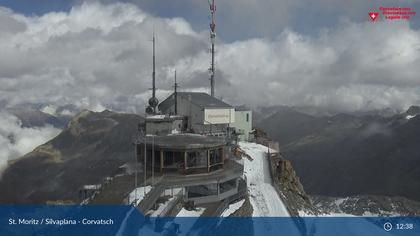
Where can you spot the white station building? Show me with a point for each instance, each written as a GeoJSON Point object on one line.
{"type": "Point", "coordinates": [204, 114]}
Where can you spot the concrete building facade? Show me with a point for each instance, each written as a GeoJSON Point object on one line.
{"type": "Point", "coordinates": [243, 123]}
{"type": "Point", "coordinates": [204, 113]}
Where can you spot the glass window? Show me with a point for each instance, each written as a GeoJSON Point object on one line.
{"type": "Point", "coordinates": [247, 117]}
{"type": "Point", "coordinates": [228, 185]}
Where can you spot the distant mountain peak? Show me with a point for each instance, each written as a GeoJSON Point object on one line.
{"type": "Point", "coordinates": [413, 110]}
{"type": "Point", "coordinates": [58, 169]}
{"type": "Point", "coordinates": [74, 124]}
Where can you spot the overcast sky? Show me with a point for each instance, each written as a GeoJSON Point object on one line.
{"type": "Point", "coordinates": [97, 55]}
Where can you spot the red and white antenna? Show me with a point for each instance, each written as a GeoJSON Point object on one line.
{"type": "Point", "coordinates": [212, 36]}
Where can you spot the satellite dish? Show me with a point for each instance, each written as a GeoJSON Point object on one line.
{"type": "Point", "coordinates": [153, 102]}
{"type": "Point", "coordinates": [149, 110]}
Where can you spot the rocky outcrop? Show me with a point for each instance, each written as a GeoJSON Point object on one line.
{"type": "Point", "coordinates": [413, 110]}
{"type": "Point", "coordinates": [245, 210]}
{"type": "Point", "coordinates": [367, 205]}
{"type": "Point", "coordinates": [292, 192]}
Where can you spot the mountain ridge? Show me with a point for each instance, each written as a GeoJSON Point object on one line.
{"type": "Point", "coordinates": [91, 147]}
{"type": "Point", "coordinates": [369, 154]}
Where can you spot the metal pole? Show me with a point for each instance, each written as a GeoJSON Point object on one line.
{"type": "Point", "coordinates": [145, 166]}
{"type": "Point", "coordinates": [153, 160]}
{"type": "Point", "coordinates": [135, 178]}
{"type": "Point", "coordinates": [212, 68]}
{"type": "Point", "coordinates": [154, 73]}
{"type": "Point", "coordinates": [176, 96]}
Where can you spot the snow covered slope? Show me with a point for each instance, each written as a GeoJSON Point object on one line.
{"type": "Point", "coordinates": [264, 198]}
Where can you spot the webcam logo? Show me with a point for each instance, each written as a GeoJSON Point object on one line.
{"type": "Point", "coordinates": [373, 15]}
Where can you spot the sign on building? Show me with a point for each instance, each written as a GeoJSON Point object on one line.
{"type": "Point", "coordinates": [219, 116]}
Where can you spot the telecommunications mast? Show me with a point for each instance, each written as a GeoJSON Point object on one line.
{"type": "Point", "coordinates": [153, 101]}
{"type": "Point", "coordinates": [212, 37]}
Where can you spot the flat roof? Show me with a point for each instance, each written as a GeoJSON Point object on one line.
{"type": "Point", "coordinates": [184, 141]}
{"type": "Point", "coordinates": [242, 108]}
{"type": "Point", "coordinates": [164, 118]}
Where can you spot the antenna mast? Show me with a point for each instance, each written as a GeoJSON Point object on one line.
{"type": "Point", "coordinates": [176, 95]}
{"type": "Point", "coordinates": [212, 37]}
{"type": "Point", "coordinates": [154, 68]}
{"type": "Point", "coordinates": [153, 101]}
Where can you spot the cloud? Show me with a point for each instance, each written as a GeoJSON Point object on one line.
{"type": "Point", "coordinates": [98, 56]}
{"type": "Point", "coordinates": [375, 129]}
{"type": "Point", "coordinates": [16, 141]}
{"type": "Point", "coordinates": [355, 66]}
{"type": "Point", "coordinates": [245, 19]}
{"type": "Point", "coordinates": [90, 56]}
{"type": "Point", "coordinates": [346, 67]}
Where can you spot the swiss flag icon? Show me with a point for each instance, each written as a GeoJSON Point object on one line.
{"type": "Point", "coordinates": [373, 15]}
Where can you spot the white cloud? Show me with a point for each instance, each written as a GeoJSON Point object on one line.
{"type": "Point", "coordinates": [98, 56]}
{"type": "Point", "coordinates": [91, 56]}
{"type": "Point", "coordinates": [351, 67]}
{"type": "Point", "coordinates": [16, 141]}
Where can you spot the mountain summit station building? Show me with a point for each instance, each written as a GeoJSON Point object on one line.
{"type": "Point", "coordinates": [190, 146]}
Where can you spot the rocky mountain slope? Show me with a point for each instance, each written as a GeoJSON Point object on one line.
{"type": "Point", "coordinates": [367, 205]}
{"type": "Point", "coordinates": [91, 147]}
{"type": "Point", "coordinates": [347, 154]}
{"type": "Point", "coordinates": [293, 193]}
{"type": "Point", "coordinates": [32, 117]}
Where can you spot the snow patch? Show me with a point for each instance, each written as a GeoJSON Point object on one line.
{"type": "Point", "coordinates": [193, 213]}
{"type": "Point", "coordinates": [137, 195]}
{"type": "Point", "coordinates": [50, 109]}
{"type": "Point", "coordinates": [232, 208]}
{"type": "Point", "coordinates": [161, 207]}
{"type": "Point", "coordinates": [186, 225]}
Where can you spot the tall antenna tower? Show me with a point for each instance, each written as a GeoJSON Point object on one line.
{"type": "Point", "coordinates": [153, 101]}
{"type": "Point", "coordinates": [176, 95]}
{"type": "Point", "coordinates": [212, 37]}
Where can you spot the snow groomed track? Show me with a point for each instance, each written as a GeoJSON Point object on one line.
{"type": "Point", "coordinates": [265, 201]}
{"type": "Point", "coordinates": [263, 197]}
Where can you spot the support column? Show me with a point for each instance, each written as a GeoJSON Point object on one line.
{"type": "Point", "coordinates": [161, 162]}
{"type": "Point", "coordinates": [208, 161]}
{"type": "Point", "coordinates": [222, 152]}
{"type": "Point", "coordinates": [185, 160]}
